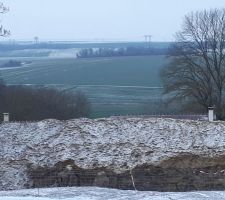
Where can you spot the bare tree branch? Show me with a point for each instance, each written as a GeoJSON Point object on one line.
{"type": "Point", "coordinates": [197, 68]}
{"type": "Point", "coordinates": [3, 10]}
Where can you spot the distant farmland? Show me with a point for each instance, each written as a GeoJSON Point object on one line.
{"type": "Point", "coordinates": [118, 85]}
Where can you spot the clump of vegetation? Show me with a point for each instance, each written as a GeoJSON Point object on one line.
{"type": "Point", "coordinates": [11, 63]}
{"type": "Point", "coordinates": [29, 104]}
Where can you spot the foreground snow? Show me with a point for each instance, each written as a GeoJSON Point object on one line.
{"type": "Point", "coordinates": [93, 193]}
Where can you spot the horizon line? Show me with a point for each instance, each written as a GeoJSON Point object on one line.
{"type": "Point", "coordinates": [82, 41]}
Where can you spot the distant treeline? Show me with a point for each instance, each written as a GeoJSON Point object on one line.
{"type": "Point", "coordinates": [12, 47]}
{"type": "Point", "coordinates": [79, 45]}
{"type": "Point", "coordinates": [128, 51]}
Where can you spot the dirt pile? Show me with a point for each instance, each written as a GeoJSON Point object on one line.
{"type": "Point", "coordinates": [149, 154]}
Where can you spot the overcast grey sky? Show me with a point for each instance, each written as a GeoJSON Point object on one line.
{"type": "Point", "coordinates": [99, 19]}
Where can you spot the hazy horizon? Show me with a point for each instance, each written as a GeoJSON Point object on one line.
{"type": "Point", "coordinates": [99, 20]}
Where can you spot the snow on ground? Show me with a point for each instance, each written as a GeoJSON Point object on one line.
{"type": "Point", "coordinates": [93, 193]}
{"type": "Point", "coordinates": [63, 53]}
{"type": "Point", "coordinates": [117, 143]}
{"type": "Point", "coordinates": [86, 140]}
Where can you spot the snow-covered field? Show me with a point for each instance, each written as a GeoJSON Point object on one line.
{"type": "Point", "coordinates": [93, 193]}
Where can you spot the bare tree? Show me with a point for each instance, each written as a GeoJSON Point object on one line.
{"type": "Point", "coordinates": [3, 10]}
{"type": "Point", "coordinates": [197, 67]}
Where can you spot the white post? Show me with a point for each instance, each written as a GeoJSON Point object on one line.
{"type": "Point", "coordinates": [6, 117]}
{"type": "Point", "coordinates": [211, 114]}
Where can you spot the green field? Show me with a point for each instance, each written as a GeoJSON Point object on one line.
{"type": "Point", "coordinates": [118, 85]}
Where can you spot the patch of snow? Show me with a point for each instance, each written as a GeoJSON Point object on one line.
{"type": "Point", "coordinates": [24, 65]}
{"type": "Point", "coordinates": [63, 53]}
{"type": "Point", "coordinates": [94, 193]}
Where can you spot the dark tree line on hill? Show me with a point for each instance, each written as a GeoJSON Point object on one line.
{"type": "Point", "coordinates": [29, 104]}
{"type": "Point", "coordinates": [11, 63]}
{"type": "Point", "coordinates": [114, 52]}
{"type": "Point", "coordinates": [42, 45]}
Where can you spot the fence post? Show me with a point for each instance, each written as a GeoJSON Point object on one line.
{"type": "Point", "coordinates": [211, 114]}
{"type": "Point", "coordinates": [6, 117]}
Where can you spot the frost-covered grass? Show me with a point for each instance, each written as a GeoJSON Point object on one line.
{"type": "Point", "coordinates": [92, 193]}
{"type": "Point", "coordinates": [98, 78]}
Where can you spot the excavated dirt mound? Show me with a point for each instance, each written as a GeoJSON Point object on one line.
{"type": "Point", "coordinates": [124, 153]}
